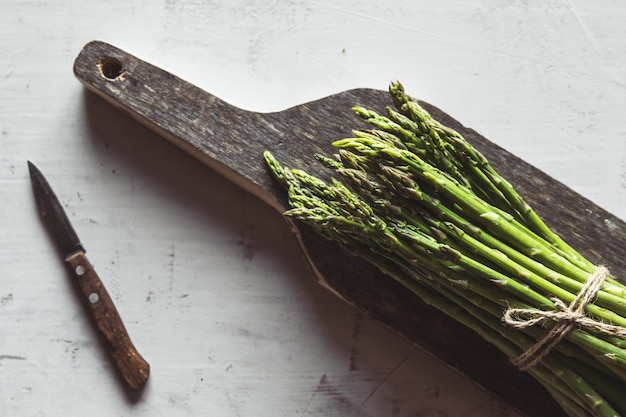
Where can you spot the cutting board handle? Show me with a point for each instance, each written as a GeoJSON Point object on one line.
{"type": "Point", "coordinates": [199, 122]}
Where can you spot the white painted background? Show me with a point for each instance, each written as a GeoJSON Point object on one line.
{"type": "Point", "coordinates": [207, 279]}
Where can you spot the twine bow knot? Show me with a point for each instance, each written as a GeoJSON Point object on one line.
{"type": "Point", "coordinates": [566, 316]}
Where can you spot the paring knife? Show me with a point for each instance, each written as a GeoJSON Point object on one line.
{"type": "Point", "coordinates": [132, 366]}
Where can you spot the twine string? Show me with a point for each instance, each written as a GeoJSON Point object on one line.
{"type": "Point", "coordinates": [567, 317]}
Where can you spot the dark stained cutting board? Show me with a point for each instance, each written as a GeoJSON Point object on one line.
{"type": "Point", "coordinates": [232, 140]}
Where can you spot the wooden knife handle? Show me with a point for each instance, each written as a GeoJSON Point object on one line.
{"type": "Point", "coordinates": [132, 366]}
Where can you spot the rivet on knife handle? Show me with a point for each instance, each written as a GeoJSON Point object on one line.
{"type": "Point", "coordinates": [132, 366]}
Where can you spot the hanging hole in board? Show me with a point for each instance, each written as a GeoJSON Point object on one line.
{"type": "Point", "coordinates": [111, 68]}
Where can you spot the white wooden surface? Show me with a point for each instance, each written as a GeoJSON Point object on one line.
{"type": "Point", "coordinates": [207, 279]}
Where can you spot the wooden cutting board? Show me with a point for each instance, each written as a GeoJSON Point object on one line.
{"type": "Point", "coordinates": [232, 140]}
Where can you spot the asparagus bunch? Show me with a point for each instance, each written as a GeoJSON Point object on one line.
{"type": "Point", "coordinates": [417, 201]}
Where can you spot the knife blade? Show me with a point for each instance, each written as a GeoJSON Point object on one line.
{"type": "Point", "coordinates": [132, 366]}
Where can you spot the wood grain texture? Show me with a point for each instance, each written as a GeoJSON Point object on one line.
{"type": "Point", "coordinates": [232, 140]}
{"type": "Point", "coordinates": [132, 366]}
